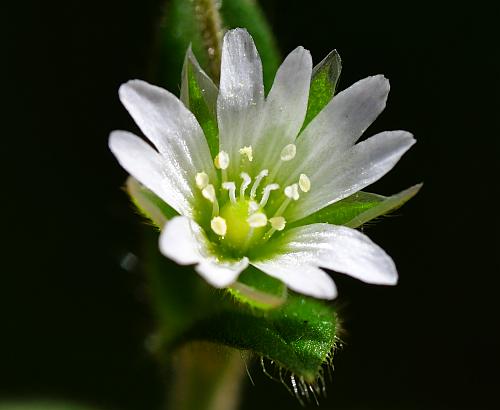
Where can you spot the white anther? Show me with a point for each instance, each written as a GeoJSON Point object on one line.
{"type": "Point", "coordinates": [244, 185]}
{"type": "Point", "coordinates": [209, 193]}
{"type": "Point", "coordinates": [257, 220]}
{"type": "Point", "coordinates": [266, 192]}
{"type": "Point", "coordinates": [292, 192]}
{"type": "Point", "coordinates": [288, 153]}
{"type": "Point", "coordinates": [304, 183]}
{"type": "Point", "coordinates": [218, 225]}
{"type": "Point", "coordinates": [262, 174]}
{"type": "Point", "coordinates": [201, 180]}
{"type": "Point", "coordinates": [221, 161]}
{"type": "Point", "coordinates": [248, 152]}
{"type": "Point", "coordinates": [252, 207]}
{"type": "Point", "coordinates": [231, 187]}
{"type": "Point", "coordinates": [278, 222]}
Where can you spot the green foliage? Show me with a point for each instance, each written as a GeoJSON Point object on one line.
{"type": "Point", "coordinates": [359, 208]}
{"type": "Point", "coordinates": [323, 84]}
{"type": "Point", "coordinates": [183, 26]}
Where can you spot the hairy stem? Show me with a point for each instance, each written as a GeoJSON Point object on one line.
{"type": "Point", "coordinates": [207, 14]}
{"type": "Point", "coordinates": [206, 377]}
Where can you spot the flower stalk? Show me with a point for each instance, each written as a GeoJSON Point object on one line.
{"type": "Point", "coordinates": [209, 19]}
{"type": "Point", "coordinates": [206, 377]}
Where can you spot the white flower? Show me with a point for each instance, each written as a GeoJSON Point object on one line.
{"type": "Point", "coordinates": [234, 208]}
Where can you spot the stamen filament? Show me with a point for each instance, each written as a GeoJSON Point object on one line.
{"type": "Point", "coordinates": [262, 174]}
{"type": "Point", "coordinates": [282, 207]}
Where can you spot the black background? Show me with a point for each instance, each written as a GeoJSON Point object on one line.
{"type": "Point", "coordinates": [74, 322]}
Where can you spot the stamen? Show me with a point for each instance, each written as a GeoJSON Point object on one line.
{"type": "Point", "coordinates": [244, 185]}
{"type": "Point", "coordinates": [252, 207]}
{"type": "Point", "coordinates": [221, 161]}
{"type": "Point", "coordinates": [288, 152]}
{"type": "Point", "coordinates": [278, 223]}
{"type": "Point", "coordinates": [248, 152]}
{"type": "Point", "coordinates": [304, 183]}
{"type": "Point", "coordinates": [201, 180]}
{"type": "Point", "coordinates": [266, 193]}
{"type": "Point", "coordinates": [262, 174]}
{"type": "Point", "coordinates": [209, 193]}
{"type": "Point", "coordinates": [231, 187]}
{"type": "Point", "coordinates": [292, 191]}
{"type": "Point", "coordinates": [218, 225]}
{"type": "Point", "coordinates": [257, 220]}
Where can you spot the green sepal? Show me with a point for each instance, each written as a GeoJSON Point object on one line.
{"type": "Point", "coordinates": [324, 80]}
{"type": "Point", "coordinates": [359, 208]}
{"type": "Point", "coordinates": [248, 14]}
{"type": "Point", "coordinates": [199, 94]}
{"type": "Point", "coordinates": [298, 336]}
{"type": "Point", "coordinates": [148, 203]}
{"type": "Point", "coordinates": [258, 290]}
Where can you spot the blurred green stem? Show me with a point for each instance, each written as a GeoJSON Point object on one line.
{"type": "Point", "coordinates": [206, 377]}
{"type": "Point", "coordinates": [207, 13]}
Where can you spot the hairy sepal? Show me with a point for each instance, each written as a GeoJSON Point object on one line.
{"type": "Point", "coordinates": [359, 208]}
{"type": "Point", "coordinates": [149, 204]}
{"type": "Point", "coordinates": [298, 336]}
{"type": "Point", "coordinates": [324, 81]}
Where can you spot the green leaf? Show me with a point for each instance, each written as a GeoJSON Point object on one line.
{"type": "Point", "coordinates": [149, 204]}
{"type": "Point", "coordinates": [199, 94]}
{"type": "Point", "coordinates": [259, 290]}
{"type": "Point", "coordinates": [359, 208]}
{"type": "Point", "coordinates": [248, 14]}
{"type": "Point", "coordinates": [323, 84]}
{"type": "Point", "coordinates": [298, 336]}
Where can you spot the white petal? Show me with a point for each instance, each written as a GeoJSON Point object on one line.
{"type": "Point", "coordinates": [349, 114]}
{"type": "Point", "coordinates": [339, 125]}
{"type": "Point", "coordinates": [241, 94]}
{"type": "Point", "coordinates": [301, 278]}
{"type": "Point", "coordinates": [171, 127]}
{"type": "Point", "coordinates": [337, 178]}
{"type": "Point", "coordinates": [145, 164]}
{"type": "Point", "coordinates": [340, 249]}
{"type": "Point", "coordinates": [285, 108]}
{"type": "Point", "coordinates": [180, 243]}
{"type": "Point", "coordinates": [183, 241]}
{"type": "Point", "coordinates": [219, 274]}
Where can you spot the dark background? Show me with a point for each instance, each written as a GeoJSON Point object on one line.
{"type": "Point", "coordinates": [74, 322]}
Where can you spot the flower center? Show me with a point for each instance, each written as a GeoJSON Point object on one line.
{"type": "Point", "coordinates": [241, 220]}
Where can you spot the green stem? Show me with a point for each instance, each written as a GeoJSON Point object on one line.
{"type": "Point", "coordinates": [206, 377]}
{"type": "Point", "coordinates": [207, 14]}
